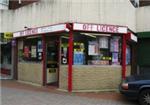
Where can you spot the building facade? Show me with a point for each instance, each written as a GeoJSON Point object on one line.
{"type": "Point", "coordinates": [4, 4]}
{"type": "Point", "coordinates": [76, 45]}
{"type": "Point", "coordinates": [143, 30]}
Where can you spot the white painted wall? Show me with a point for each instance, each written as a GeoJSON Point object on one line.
{"type": "Point", "coordinates": [143, 19]}
{"type": "Point", "coordinates": [46, 12]}
{"type": "Point", "coordinates": [4, 7]}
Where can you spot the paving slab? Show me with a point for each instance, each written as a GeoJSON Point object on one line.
{"type": "Point", "coordinates": [14, 93]}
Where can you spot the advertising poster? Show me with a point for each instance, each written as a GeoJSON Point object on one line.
{"type": "Point", "coordinates": [114, 58]}
{"type": "Point", "coordinates": [39, 49]}
{"type": "Point", "coordinates": [128, 55]}
{"type": "Point", "coordinates": [114, 45]}
{"type": "Point", "coordinates": [33, 51]}
{"type": "Point", "coordinates": [26, 51]}
{"type": "Point", "coordinates": [93, 48]}
{"type": "Point", "coordinates": [103, 42]}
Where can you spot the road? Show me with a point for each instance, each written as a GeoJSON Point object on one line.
{"type": "Point", "coordinates": [14, 96]}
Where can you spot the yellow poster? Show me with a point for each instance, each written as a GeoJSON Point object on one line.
{"type": "Point", "coordinates": [8, 35]}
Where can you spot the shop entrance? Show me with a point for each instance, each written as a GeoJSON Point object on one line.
{"type": "Point", "coordinates": [52, 65]}
{"type": "Point", "coordinates": [6, 61]}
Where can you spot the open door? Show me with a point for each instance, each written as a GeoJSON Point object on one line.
{"type": "Point", "coordinates": [52, 65]}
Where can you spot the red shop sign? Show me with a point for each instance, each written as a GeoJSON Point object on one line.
{"type": "Point", "coordinates": [100, 28]}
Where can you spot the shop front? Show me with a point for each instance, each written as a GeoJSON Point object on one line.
{"type": "Point", "coordinates": [6, 55]}
{"type": "Point", "coordinates": [75, 56]}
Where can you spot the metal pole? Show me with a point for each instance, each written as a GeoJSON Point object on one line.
{"type": "Point", "coordinates": [44, 59]}
{"type": "Point", "coordinates": [70, 60]}
{"type": "Point", "coordinates": [124, 57]}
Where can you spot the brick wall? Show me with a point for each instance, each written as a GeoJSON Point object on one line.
{"type": "Point", "coordinates": [30, 72]}
{"type": "Point", "coordinates": [63, 77]}
{"type": "Point", "coordinates": [93, 77]}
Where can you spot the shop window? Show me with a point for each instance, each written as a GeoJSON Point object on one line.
{"type": "Point", "coordinates": [32, 50]}
{"type": "Point", "coordinates": [96, 49]}
{"type": "Point", "coordinates": [89, 49]}
{"type": "Point", "coordinates": [79, 55]}
{"type": "Point", "coordinates": [128, 55]}
{"type": "Point", "coordinates": [79, 49]}
{"type": "Point", "coordinates": [64, 50]}
{"type": "Point", "coordinates": [115, 49]}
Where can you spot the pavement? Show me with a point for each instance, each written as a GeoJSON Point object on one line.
{"type": "Point", "coordinates": [16, 93]}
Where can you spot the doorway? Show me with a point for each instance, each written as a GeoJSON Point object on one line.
{"type": "Point", "coordinates": [52, 62]}
{"type": "Point", "coordinates": [6, 61]}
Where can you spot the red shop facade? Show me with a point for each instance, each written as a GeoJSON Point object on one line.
{"type": "Point", "coordinates": [74, 56]}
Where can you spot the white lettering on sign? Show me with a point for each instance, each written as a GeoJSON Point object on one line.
{"type": "Point", "coordinates": [134, 38]}
{"type": "Point", "coordinates": [28, 32]}
{"type": "Point", "coordinates": [100, 28]}
{"type": "Point", "coordinates": [40, 30]}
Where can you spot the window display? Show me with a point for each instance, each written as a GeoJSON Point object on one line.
{"type": "Point", "coordinates": [32, 50]}
{"type": "Point", "coordinates": [93, 48]}
{"type": "Point", "coordinates": [102, 56]}
{"type": "Point", "coordinates": [104, 50]}
{"type": "Point", "coordinates": [39, 50]}
{"type": "Point", "coordinates": [115, 58]}
{"type": "Point", "coordinates": [78, 53]}
{"type": "Point", "coordinates": [64, 53]}
{"type": "Point", "coordinates": [128, 55]}
{"type": "Point", "coordinates": [98, 50]}
{"type": "Point", "coordinates": [103, 42]}
{"type": "Point", "coordinates": [26, 51]}
{"type": "Point", "coordinates": [114, 44]}
{"type": "Point", "coordinates": [114, 49]}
